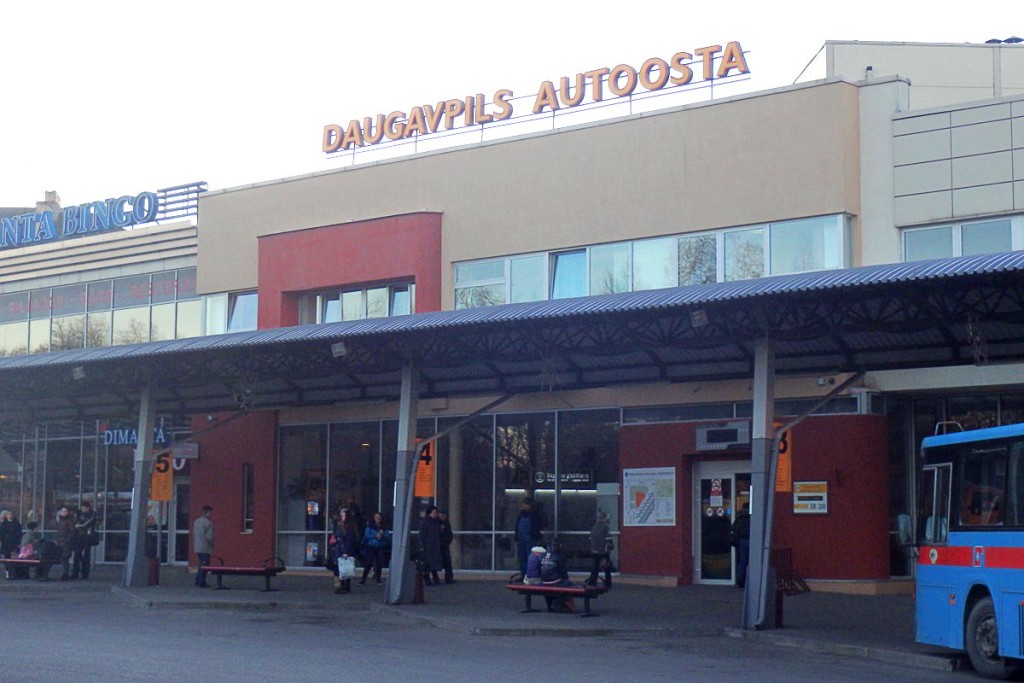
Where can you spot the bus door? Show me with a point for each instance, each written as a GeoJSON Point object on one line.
{"type": "Point", "coordinates": [936, 583]}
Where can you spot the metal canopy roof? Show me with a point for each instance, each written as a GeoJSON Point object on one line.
{"type": "Point", "coordinates": [912, 315]}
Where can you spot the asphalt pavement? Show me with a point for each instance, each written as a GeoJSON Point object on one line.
{"type": "Point", "coordinates": [879, 627]}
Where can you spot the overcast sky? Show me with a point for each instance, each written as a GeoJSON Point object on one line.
{"type": "Point", "coordinates": [107, 98]}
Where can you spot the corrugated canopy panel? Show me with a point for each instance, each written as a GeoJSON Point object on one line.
{"type": "Point", "coordinates": [924, 314]}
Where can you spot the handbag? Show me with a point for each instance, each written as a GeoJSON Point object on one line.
{"type": "Point", "coordinates": [609, 545]}
{"type": "Point", "coordinates": [27, 552]}
{"type": "Point", "coordinates": [346, 567]}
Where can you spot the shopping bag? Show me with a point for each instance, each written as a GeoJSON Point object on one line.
{"type": "Point", "coordinates": [346, 567]}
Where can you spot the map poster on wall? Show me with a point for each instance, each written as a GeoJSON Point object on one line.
{"type": "Point", "coordinates": [649, 497]}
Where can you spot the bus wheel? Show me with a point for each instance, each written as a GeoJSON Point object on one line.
{"type": "Point", "coordinates": [982, 641]}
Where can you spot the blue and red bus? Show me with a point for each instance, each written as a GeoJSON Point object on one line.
{"type": "Point", "coordinates": [970, 535]}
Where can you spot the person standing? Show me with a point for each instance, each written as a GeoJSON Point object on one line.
{"type": "Point", "coordinates": [202, 543]}
{"type": "Point", "coordinates": [447, 536]}
{"type": "Point", "coordinates": [739, 538]}
{"type": "Point", "coordinates": [528, 531]}
{"type": "Point", "coordinates": [600, 550]}
{"type": "Point", "coordinates": [85, 538]}
{"type": "Point", "coordinates": [430, 545]}
{"type": "Point", "coordinates": [10, 537]}
{"type": "Point", "coordinates": [65, 539]}
{"type": "Point", "coordinates": [375, 547]}
{"type": "Point", "coordinates": [346, 544]}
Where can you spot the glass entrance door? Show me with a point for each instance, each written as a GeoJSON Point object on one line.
{"type": "Point", "coordinates": [179, 523]}
{"type": "Point", "coordinates": [721, 489]}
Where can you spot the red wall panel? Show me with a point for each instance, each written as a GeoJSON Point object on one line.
{"type": "Point", "coordinates": [360, 253]}
{"type": "Point", "coordinates": [850, 452]}
{"type": "Point", "coordinates": [216, 479]}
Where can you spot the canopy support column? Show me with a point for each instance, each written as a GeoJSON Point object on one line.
{"type": "Point", "coordinates": [401, 579]}
{"type": "Point", "coordinates": [760, 586]}
{"type": "Point", "coordinates": [136, 569]}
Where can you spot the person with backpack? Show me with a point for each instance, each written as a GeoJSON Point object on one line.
{"type": "Point", "coordinates": [554, 573]}
{"type": "Point", "coordinates": [375, 547]}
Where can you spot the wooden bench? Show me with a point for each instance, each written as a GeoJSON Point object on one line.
{"type": "Point", "coordinates": [25, 562]}
{"type": "Point", "coordinates": [575, 591]}
{"type": "Point", "coordinates": [271, 567]}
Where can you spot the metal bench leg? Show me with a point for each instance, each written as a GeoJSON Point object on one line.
{"type": "Point", "coordinates": [529, 604]}
{"type": "Point", "coordinates": [220, 582]}
{"type": "Point", "coordinates": [267, 589]}
{"type": "Point", "coordinates": [586, 607]}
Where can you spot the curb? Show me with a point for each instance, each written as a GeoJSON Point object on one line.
{"type": "Point", "coordinates": [144, 602]}
{"type": "Point", "coordinates": [902, 657]}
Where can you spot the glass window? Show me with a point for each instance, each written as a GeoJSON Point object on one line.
{"type": "Point", "coordinates": [161, 322]}
{"type": "Point", "coordinates": [377, 302]}
{"type": "Point", "coordinates": [302, 494]}
{"type": "Point", "coordinates": [164, 285]}
{"type": "Point", "coordinates": [186, 283]}
{"type": "Point", "coordinates": [806, 245]}
{"type": "Point", "coordinates": [67, 332]}
{"type": "Point", "coordinates": [39, 303]}
{"type": "Point", "coordinates": [101, 295]}
{"type": "Point", "coordinates": [973, 412]}
{"type": "Point", "coordinates": [189, 320]}
{"type": "Point", "coordinates": [242, 309]}
{"type": "Point", "coordinates": [477, 297]}
{"type": "Point", "coordinates": [216, 306]}
{"type": "Point", "coordinates": [331, 309]}
{"type": "Point", "coordinates": [67, 300]}
{"type": "Point", "coordinates": [131, 291]}
{"type": "Point", "coordinates": [524, 463]}
{"type": "Point", "coordinates": [98, 328]}
{"type": "Point", "coordinates": [568, 274]}
{"type": "Point", "coordinates": [986, 238]}
{"type": "Point", "coordinates": [479, 271]}
{"type": "Point", "coordinates": [354, 468]}
{"type": "Point", "coordinates": [351, 307]}
{"type": "Point", "coordinates": [39, 336]}
{"type": "Point", "coordinates": [248, 496]}
{"type": "Point", "coordinates": [928, 243]}
{"type": "Point", "coordinates": [744, 254]}
{"type": "Point", "coordinates": [401, 301]}
{"type": "Point", "coordinates": [464, 478]}
{"type": "Point", "coordinates": [131, 325]}
{"type": "Point", "coordinates": [588, 456]}
{"type": "Point", "coordinates": [15, 307]}
{"type": "Point", "coordinates": [609, 269]}
{"type": "Point", "coordinates": [698, 262]}
{"type": "Point", "coordinates": [63, 472]}
{"type": "Point", "coordinates": [528, 278]}
{"type": "Point", "coordinates": [983, 486]}
{"type": "Point", "coordinates": [655, 264]}
{"type": "Point", "coordinates": [14, 339]}
{"type": "Point", "coordinates": [933, 515]}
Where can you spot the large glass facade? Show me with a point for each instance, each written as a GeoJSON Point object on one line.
{"type": "Point", "coordinates": [67, 463]}
{"type": "Point", "coordinates": [126, 310]}
{"type": "Point", "coordinates": [568, 460]}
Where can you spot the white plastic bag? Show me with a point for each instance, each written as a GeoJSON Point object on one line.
{"type": "Point", "coordinates": [346, 567]}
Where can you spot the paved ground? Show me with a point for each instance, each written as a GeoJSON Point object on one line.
{"type": "Point", "coordinates": [877, 627]}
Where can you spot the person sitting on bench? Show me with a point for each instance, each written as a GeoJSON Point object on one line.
{"type": "Point", "coordinates": [554, 573]}
{"type": "Point", "coordinates": [533, 563]}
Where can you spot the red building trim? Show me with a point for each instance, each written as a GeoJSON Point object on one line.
{"type": "Point", "coordinates": [391, 249]}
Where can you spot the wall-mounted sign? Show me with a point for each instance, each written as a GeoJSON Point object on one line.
{"type": "Point", "coordinates": [810, 497]}
{"type": "Point", "coordinates": [574, 479]}
{"type": "Point", "coordinates": [589, 86]}
{"type": "Point", "coordinates": [649, 496]}
{"type": "Point", "coordinates": [100, 216]}
{"type": "Point", "coordinates": [784, 472]}
{"type": "Point", "coordinates": [128, 437]}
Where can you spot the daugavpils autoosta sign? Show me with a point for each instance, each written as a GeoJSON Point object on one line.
{"type": "Point", "coordinates": [593, 86]}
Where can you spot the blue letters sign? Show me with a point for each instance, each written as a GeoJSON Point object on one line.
{"type": "Point", "coordinates": [93, 217]}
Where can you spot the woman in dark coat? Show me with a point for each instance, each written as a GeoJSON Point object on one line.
{"type": "Point", "coordinates": [430, 545]}
{"type": "Point", "coordinates": [10, 536]}
{"type": "Point", "coordinates": [346, 544]}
